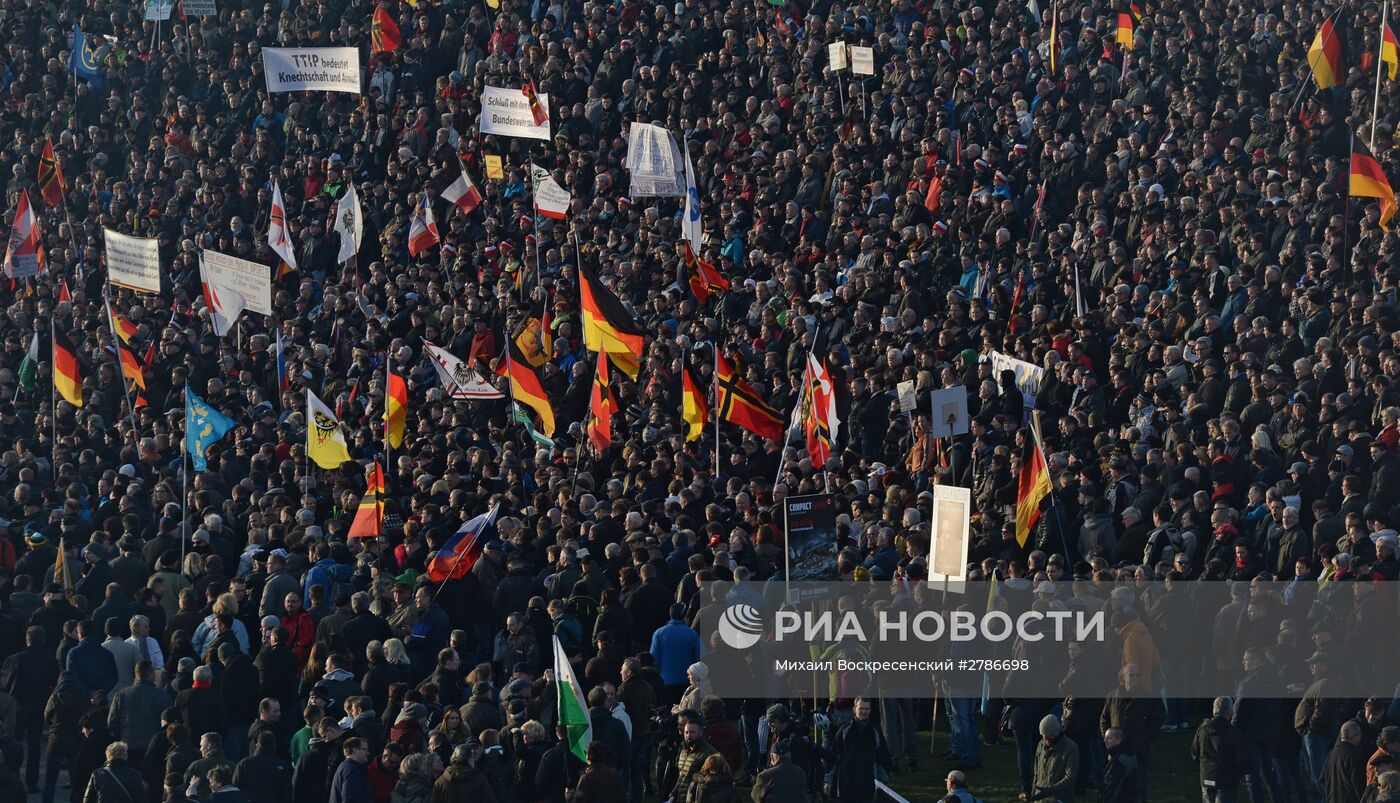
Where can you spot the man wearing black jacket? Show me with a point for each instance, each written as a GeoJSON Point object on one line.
{"type": "Point", "coordinates": [1222, 752]}
{"type": "Point", "coordinates": [1344, 771]}
{"type": "Point", "coordinates": [1259, 716]}
{"type": "Point", "coordinates": [1119, 782]}
{"type": "Point", "coordinates": [860, 751]}
{"type": "Point", "coordinates": [29, 676]}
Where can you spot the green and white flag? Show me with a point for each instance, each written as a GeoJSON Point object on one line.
{"type": "Point", "coordinates": [573, 713]}
{"type": "Point", "coordinates": [30, 365]}
{"type": "Point", "coordinates": [522, 418]}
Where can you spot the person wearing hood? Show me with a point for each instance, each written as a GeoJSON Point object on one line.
{"type": "Point", "coordinates": [1344, 772]}
{"type": "Point", "coordinates": [1056, 763]}
{"type": "Point", "coordinates": [1222, 752]}
{"type": "Point", "coordinates": [311, 780]}
{"type": "Point", "coordinates": [363, 721]}
{"type": "Point", "coordinates": [410, 729]}
{"type": "Point", "coordinates": [1119, 782]}
{"type": "Point", "coordinates": [463, 781]}
{"type": "Point", "coordinates": [338, 684]}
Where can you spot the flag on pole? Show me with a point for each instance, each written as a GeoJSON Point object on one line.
{"type": "Point", "coordinates": [601, 406]}
{"type": "Point", "coordinates": [532, 97]}
{"type": "Point", "coordinates": [384, 33]}
{"type": "Point", "coordinates": [62, 574]}
{"type": "Point", "coordinates": [1032, 486]}
{"type": "Point", "coordinates": [64, 296]}
{"type": "Point", "coordinates": [1368, 180]}
{"type": "Point", "coordinates": [279, 239]}
{"type": "Point", "coordinates": [704, 279]}
{"type": "Point", "coordinates": [455, 558]}
{"type": "Point", "coordinates": [457, 189]}
{"type": "Point", "coordinates": [573, 713]}
{"type": "Point", "coordinates": [29, 366]}
{"type": "Point", "coordinates": [458, 379]}
{"type": "Point", "coordinates": [82, 59]}
{"type": "Point", "coordinates": [527, 388]}
{"type": "Point", "coordinates": [819, 418]}
{"type": "Point", "coordinates": [1054, 47]}
{"type": "Point", "coordinates": [607, 324]}
{"type": "Point", "coordinates": [203, 426]}
{"type": "Point", "coordinates": [283, 380]}
{"type": "Point", "coordinates": [325, 443]}
{"type": "Point", "coordinates": [1126, 26]}
{"type": "Point", "coordinates": [693, 407]}
{"type": "Point", "coordinates": [551, 200]}
{"type": "Point", "coordinates": [423, 230]}
{"type": "Point", "coordinates": [521, 417]}
{"type": "Point", "coordinates": [1390, 52]}
{"type": "Point", "coordinates": [739, 403]}
{"type": "Point", "coordinates": [66, 377]}
{"type": "Point", "coordinates": [349, 222]}
{"type": "Point", "coordinates": [24, 251]}
{"type": "Point", "coordinates": [369, 516]}
{"type": "Point", "coordinates": [1325, 56]}
{"type": "Point", "coordinates": [51, 183]}
{"type": "Point", "coordinates": [395, 409]}
{"type": "Point", "coordinates": [224, 303]}
{"type": "Point", "coordinates": [692, 227]}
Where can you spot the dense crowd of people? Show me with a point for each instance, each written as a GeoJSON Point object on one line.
{"type": "Point", "coordinates": [1142, 245]}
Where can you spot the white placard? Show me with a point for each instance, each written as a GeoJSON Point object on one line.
{"type": "Point", "coordinates": [862, 60]}
{"type": "Point", "coordinates": [1028, 375]}
{"type": "Point", "coordinates": [905, 391]}
{"type": "Point", "coordinates": [836, 56]}
{"type": "Point", "coordinates": [506, 113]}
{"type": "Point", "coordinates": [252, 280]}
{"type": "Point", "coordinates": [159, 10]}
{"type": "Point", "coordinates": [654, 162]}
{"type": "Point", "coordinates": [949, 529]}
{"type": "Point", "coordinates": [132, 262]}
{"type": "Point", "coordinates": [294, 69]}
{"type": "Point", "coordinates": [949, 412]}
{"type": "Point", "coordinates": [199, 8]}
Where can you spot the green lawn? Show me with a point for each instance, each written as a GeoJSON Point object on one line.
{"type": "Point", "coordinates": [1172, 779]}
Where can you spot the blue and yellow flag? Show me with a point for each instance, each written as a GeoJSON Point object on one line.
{"type": "Point", "coordinates": [203, 425]}
{"type": "Point", "coordinates": [82, 59]}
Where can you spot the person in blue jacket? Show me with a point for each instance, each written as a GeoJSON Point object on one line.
{"type": "Point", "coordinates": [93, 667]}
{"type": "Point", "coordinates": [430, 633]}
{"type": "Point", "coordinates": [675, 646]}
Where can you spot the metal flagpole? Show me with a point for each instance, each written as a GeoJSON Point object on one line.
{"type": "Point", "coordinates": [388, 383]}
{"type": "Point", "coordinates": [121, 371]}
{"type": "Point", "coordinates": [53, 395]}
{"type": "Point", "coordinates": [185, 479]}
{"type": "Point", "coordinates": [1380, 65]}
{"type": "Point", "coordinates": [716, 410]}
{"type": "Point", "coordinates": [1312, 62]}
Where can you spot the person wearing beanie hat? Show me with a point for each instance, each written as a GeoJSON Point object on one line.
{"type": "Point", "coordinates": [1056, 763]}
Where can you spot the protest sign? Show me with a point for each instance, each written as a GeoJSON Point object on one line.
{"type": "Point", "coordinates": [132, 262]}
{"type": "Point", "coordinates": [506, 113]}
{"type": "Point", "coordinates": [294, 69]}
{"type": "Point", "coordinates": [252, 280]}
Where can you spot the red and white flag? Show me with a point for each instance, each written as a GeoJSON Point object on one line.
{"type": "Point", "coordinates": [423, 231]}
{"type": "Point", "coordinates": [279, 238]}
{"type": "Point", "coordinates": [551, 200]}
{"type": "Point", "coordinates": [459, 191]}
{"type": "Point", "coordinates": [224, 303]}
{"type": "Point", "coordinates": [24, 251]}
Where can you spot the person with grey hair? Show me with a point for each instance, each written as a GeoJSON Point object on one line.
{"type": "Point", "coordinates": [202, 707]}
{"type": "Point", "coordinates": [117, 781]}
{"type": "Point", "coordinates": [1345, 770]}
{"type": "Point", "coordinates": [1222, 752]}
{"type": "Point", "coordinates": [362, 627]}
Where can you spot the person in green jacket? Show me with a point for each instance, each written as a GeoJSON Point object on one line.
{"type": "Point", "coordinates": [1056, 763]}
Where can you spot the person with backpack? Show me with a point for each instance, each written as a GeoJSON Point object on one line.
{"type": "Point", "coordinates": [1165, 540]}
{"type": "Point", "coordinates": [1222, 751]}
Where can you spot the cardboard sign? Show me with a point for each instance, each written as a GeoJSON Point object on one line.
{"type": "Point", "coordinates": [494, 168]}
{"type": "Point", "coordinates": [199, 8]}
{"type": "Point", "coordinates": [296, 69]}
{"type": "Point", "coordinates": [949, 412]}
{"type": "Point", "coordinates": [252, 280]}
{"type": "Point", "coordinates": [159, 10]}
{"type": "Point", "coordinates": [949, 530]}
{"type": "Point", "coordinates": [836, 56]}
{"type": "Point", "coordinates": [862, 60]}
{"type": "Point", "coordinates": [905, 390]}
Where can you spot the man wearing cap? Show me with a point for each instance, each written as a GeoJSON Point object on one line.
{"type": "Point", "coordinates": [1056, 764]}
{"type": "Point", "coordinates": [39, 559]}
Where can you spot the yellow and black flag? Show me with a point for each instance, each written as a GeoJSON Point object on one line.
{"type": "Point", "coordinates": [693, 407]}
{"type": "Point", "coordinates": [1368, 181]}
{"type": "Point", "coordinates": [602, 405]}
{"type": "Point", "coordinates": [607, 325]}
{"type": "Point", "coordinates": [51, 183]}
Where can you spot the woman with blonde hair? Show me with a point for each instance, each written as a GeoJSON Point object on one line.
{"type": "Point", "coordinates": [204, 635]}
{"type": "Point", "coordinates": [396, 654]}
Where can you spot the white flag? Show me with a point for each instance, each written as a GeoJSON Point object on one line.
{"type": "Point", "coordinates": [692, 229]}
{"type": "Point", "coordinates": [225, 304]}
{"type": "Point", "coordinates": [551, 200]}
{"type": "Point", "coordinates": [458, 379]}
{"type": "Point", "coordinates": [278, 238]}
{"type": "Point", "coordinates": [349, 223]}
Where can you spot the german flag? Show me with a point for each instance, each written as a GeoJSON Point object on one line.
{"type": "Point", "coordinates": [602, 404]}
{"type": "Point", "coordinates": [124, 330]}
{"type": "Point", "coordinates": [739, 403]}
{"type": "Point", "coordinates": [395, 409]}
{"type": "Point", "coordinates": [1126, 25]}
{"type": "Point", "coordinates": [369, 516]}
{"type": "Point", "coordinates": [51, 183]}
{"type": "Point", "coordinates": [527, 388]}
{"type": "Point", "coordinates": [533, 337]}
{"type": "Point", "coordinates": [1054, 41]}
{"type": "Point", "coordinates": [1390, 52]}
{"type": "Point", "coordinates": [1032, 486]}
{"type": "Point", "coordinates": [607, 325]}
{"type": "Point", "coordinates": [384, 33]}
{"type": "Point", "coordinates": [66, 377]}
{"type": "Point", "coordinates": [131, 367]}
{"type": "Point", "coordinates": [704, 279]}
{"type": "Point", "coordinates": [693, 407]}
{"type": "Point", "coordinates": [1325, 56]}
{"type": "Point", "coordinates": [532, 97]}
{"type": "Point", "coordinates": [1368, 181]}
